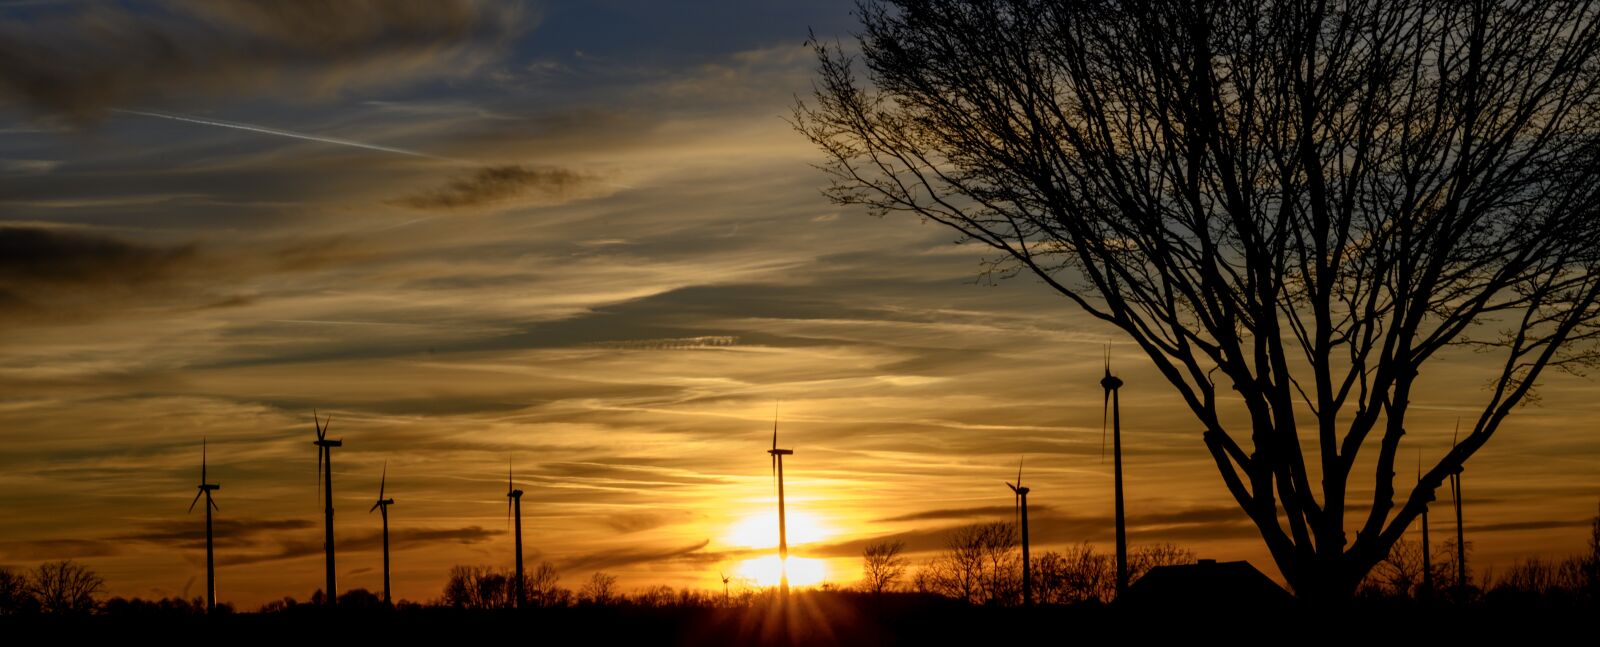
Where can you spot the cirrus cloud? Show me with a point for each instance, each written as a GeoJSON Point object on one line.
{"type": "Point", "coordinates": [77, 63]}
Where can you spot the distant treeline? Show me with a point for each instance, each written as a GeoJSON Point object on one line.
{"type": "Point", "coordinates": [980, 565]}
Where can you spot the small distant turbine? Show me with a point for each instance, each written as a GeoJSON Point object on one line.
{"type": "Point", "coordinates": [725, 579]}
{"type": "Point", "coordinates": [1111, 384]}
{"type": "Point", "coordinates": [211, 568]}
{"type": "Point", "coordinates": [1021, 502]}
{"type": "Point", "coordinates": [514, 504]}
{"type": "Point", "coordinates": [783, 530]}
{"type": "Point", "coordinates": [325, 481]}
{"type": "Point", "coordinates": [383, 507]}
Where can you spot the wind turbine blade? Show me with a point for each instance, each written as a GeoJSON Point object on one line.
{"type": "Point", "coordinates": [196, 500]}
{"type": "Point", "coordinates": [213, 503]}
{"type": "Point", "coordinates": [383, 479]}
{"type": "Point", "coordinates": [1019, 472]}
{"type": "Point", "coordinates": [374, 507]}
{"type": "Point", "coordinates": [774, 425]}
{"type": "Point", "coordinates": [202, 459]}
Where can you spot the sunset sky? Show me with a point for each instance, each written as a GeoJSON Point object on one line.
{"type": "Point", "coordinates": [580, 236]}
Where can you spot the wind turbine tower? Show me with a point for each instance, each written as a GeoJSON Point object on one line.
{"type": "Point", "coordinates": [1461, 536]}
{"type": "Point", "coordinates": [211, 566]}
{"type": "Point", "coordinates": [514, 505]}
{"type": "Point", "coordinates": [1111, 384]}
{"type": "Point", "coordinates": [383, 507]}
{"type": "Point", "coordinates": [1021, 502]}
{"type": "Point", "coordinates": [325, 472]}
{"type": "Point", "coordinates": [783, 530]}
{"type": "Point", "coordinates": [1427, 555]}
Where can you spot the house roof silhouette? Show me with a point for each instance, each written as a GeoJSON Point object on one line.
{"type": "Point", "coordinates": [1207, 583]}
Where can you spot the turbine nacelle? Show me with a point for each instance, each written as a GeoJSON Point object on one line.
{"type": "Point", "coordinates": [1110, 382]}
{"type": "Point", "coordinates": [205, 489]}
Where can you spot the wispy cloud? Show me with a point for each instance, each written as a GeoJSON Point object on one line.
{"type": "Point", "coordinates": [492, 185]}
{"type": "Point", "coordinates": [604, 559]}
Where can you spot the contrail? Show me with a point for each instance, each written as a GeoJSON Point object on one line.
{"type": "Point", "coordinates": [283, 133]}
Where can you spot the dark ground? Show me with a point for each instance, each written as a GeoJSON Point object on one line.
{"type": "Point", "coordinates": [819, 618]}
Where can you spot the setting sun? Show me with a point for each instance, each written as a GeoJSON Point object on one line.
{"type": "Point", "coordinates": [761, 530]}
{"type": "Point", "coordinates": [768, 571]}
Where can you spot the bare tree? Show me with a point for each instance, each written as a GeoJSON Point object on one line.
{"type": "Point", "coordinates": [65, 587]}
{"type": "Point", "coordinates": [544, 588]}
{"type": "Point", "coordinates": [882, 565]}
{"type": "Point", "coordinates": [600, 589]}
{"type": "Point", "coordinates": [1398, 574]}
{"type": "Point", "coordinates": [979, 564]}
{"type": "Point", "coordinates": [1144, 558]}
{"type": "Point", "coordinates": [479, 587]}
{"type": "Point", "coordinates": [1080, 574]}
{"type": "Point", "coordinates": [16, 594]}
{"type": "Point", "coordinates": [1290, 206]}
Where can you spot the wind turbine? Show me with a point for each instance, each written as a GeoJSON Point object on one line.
{"type": "Point", "coordinates": [783, 530]}
{"type": "Point", "coordinates": [725, 579]}
{"type": "Point", "coordinates": [325, 481]}
{"type": "Point", "coordinates": [211, 569]}
{"type": "Point", "coordinates": [514, 502]}
{"type": "Point", "coordinates": [1111, 384]}
{"type": "Point", "coordinates": [1427, 557]}
{"type": "Point", "coordinates": [383, 506]}
{"type": "Point", "coordinates": [1461, 538]}
{"type": "Point", "coordinates": [1021, 502]}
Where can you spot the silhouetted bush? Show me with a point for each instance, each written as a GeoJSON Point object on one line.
{"type": "Point", "coordinates": [360, 599]}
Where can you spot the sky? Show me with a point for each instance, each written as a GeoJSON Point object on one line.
{"type": "Point", "coordinates": [578, 237]}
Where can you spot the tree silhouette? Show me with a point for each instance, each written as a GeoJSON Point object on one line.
{"type": "Point", "coordinates": [979, 565]}
{"type": "Point", "coordinates": [600, 589]}
{"type": "Point", "coordinates": [1080, 574]}
{"type": "Point", "coordinates": [544, 588]}
{"type": "Point", "coordinates": [1290, 207]}
{"type": "Point", "coordinates": [65, 587]}
{"type": "Point", "coordinates": [16, 594]}
{"type": "Point", "coordinates": [882, 565]}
